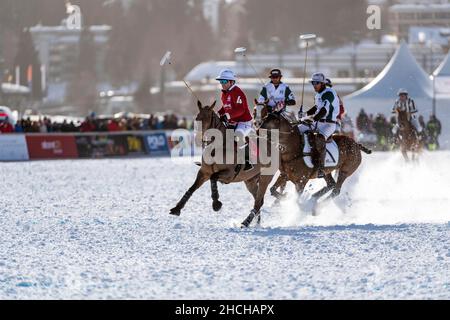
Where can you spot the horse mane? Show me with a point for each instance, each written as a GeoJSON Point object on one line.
{"type": "Point", "coordinates": [217, 124]}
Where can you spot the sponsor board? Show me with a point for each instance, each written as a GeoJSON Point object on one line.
{"type": "Point", "coordinates": [156, 144]}
{"type": "Point", "coordinates": [51, 146]}
{"type": "Point", "coordinates": [13, 147]}
{"type": "Point", "coordinates": [99, 146]}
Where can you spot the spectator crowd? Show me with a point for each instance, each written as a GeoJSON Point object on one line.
{"type": "Point", "coordinates": [96, 124]}
{"type": "Point", "coordinates": [381, 127]}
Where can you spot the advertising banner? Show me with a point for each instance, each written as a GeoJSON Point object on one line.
{"type": "Point", "coordinates": [98, 146]}
{"type": "Point", "coordinates": [51, 146]}
{"type": "Point", "coordinates": [135, 144]}
{"type": "Point", "coordinates": [156, 144]}
{"type": "Point", "coordinates": [13, 147]}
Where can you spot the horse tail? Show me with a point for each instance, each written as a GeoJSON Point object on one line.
{"type": "Point", "coordinates": [364, 149]}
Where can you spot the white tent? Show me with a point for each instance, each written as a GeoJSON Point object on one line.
{"type": "Point", "coordinates": [442, 86]}
{"type": "Point", "coordinates": [442, 74]}
{"type": "Point", "coordinates": [379, 96]}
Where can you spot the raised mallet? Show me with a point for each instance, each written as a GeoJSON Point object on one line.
{"type": "Point", "coordinates": [306, 37]}
{"type": "Point", "coordinates": [166, 60]}
{"type": "Point", "coordinates": [243, 50]}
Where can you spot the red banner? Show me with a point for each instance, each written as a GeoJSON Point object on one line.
{"type": "Point", "coordinates": [51, 147]}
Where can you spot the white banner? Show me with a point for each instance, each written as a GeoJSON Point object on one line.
{"type": "Point", "coordinates": [13, 147]}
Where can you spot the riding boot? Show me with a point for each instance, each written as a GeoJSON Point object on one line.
{"type": "Point", "coordinates": [320, 149]}
{"type": "Point", "coordinates": [248, 164]}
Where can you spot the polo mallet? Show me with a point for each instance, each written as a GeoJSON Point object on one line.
{"type": "Point", "coordinates": [305, 37]}
{"type": "Point", "coordinates": [166, 59]}
{"type": "Point", "coordinates": [243, 50]}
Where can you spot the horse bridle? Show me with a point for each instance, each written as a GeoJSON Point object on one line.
{"type": "Point", "coordinates": [214, 124]}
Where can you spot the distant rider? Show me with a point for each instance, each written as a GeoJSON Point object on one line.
{"type": "Point", "coordinates": [404, 103]}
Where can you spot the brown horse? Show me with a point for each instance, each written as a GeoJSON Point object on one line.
{"type": "Point", "coordinates": [408, 138]}
{"type": "Point", "coordinates": [293, 167]}
{"type": "Point", "coordinates": [255, 182]}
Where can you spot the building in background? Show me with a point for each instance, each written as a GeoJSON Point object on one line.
{"type": "Point", "coordinates": [364, 60]}
{"type": "Point", "coordinates": [211, 11]}
{"type": "Point", "coordinates": [409, 14]}
{"type": "Point", "coordinates": [58, 49]}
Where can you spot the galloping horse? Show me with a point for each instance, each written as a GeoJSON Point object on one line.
{"type": "Point", "coordinates": [291, 146]}
{"type": "Point", "coordinates": [408, 137]}
{"type": "Point", "coordinates": [255, 182]}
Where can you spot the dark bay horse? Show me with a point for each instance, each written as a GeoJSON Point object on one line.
{"type": "Point", "coordinates": [292, 165]}
{"type": "Point", "coordinates": [255, 182]}
{"type": "Point", "coordinates": [408, 138]}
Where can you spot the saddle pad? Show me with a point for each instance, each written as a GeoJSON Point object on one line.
{"type": "Point", "coordinates": [332, 153]}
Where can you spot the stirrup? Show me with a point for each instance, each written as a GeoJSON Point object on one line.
{"type": "Point", "coordinates": [248, 166]}
{"type": "Point", "coordinates": [320, 173]}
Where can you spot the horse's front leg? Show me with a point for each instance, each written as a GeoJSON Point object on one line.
{"type": "Point", "coordinates": [330, 185]}
{"type": "Point", "coordinates": [217, 205]}
{"type": "Point", "coordinates": [264, 181]}
{"type": "Point", "coordinates": [405, 154]}
{"type": "Point", "coordinates": [202, 177]}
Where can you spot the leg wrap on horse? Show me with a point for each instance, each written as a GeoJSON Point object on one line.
{"type": "Point", "coordinates": [217, 205]}
{"type": "Point", "coordinates": [185, 198]}
{"type": "Point", "coordinates": [214, 190]}
{"type": "Point", "coordinates": [250, 218]}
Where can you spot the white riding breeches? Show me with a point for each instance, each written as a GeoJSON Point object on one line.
{"type": "Point", "coordinates": [416, 124]}
{"type": "Point", "coordinates": [324, 128]}
{"type": "Point", "coordinates": [244, 128]}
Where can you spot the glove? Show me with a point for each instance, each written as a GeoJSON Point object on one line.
{"type": "Point", "coordinates": [225, 117]}
{"type": "Point", "coordinates": [307, 119]}
{"type": "Point", "coordinates": [280, 106]}
{"type": "Point", "coordinates": [300, 112]}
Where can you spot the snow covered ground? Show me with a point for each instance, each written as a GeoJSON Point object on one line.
{"type": "Point", "coordinates": [100, 229]}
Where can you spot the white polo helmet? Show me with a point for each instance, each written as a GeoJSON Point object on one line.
{"type": "Point", "coordinates": [318, 77]}
{"type": "Point", "coordinates": [226, 74]}
{"type": "Point", "coordinates": [402, 91]}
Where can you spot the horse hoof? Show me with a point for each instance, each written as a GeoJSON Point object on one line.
{"type": "Point", "coordinates": [217, 205]}
{"type": "Point", "coordinates": [245, 224]}
{"type": "Point", "coordinates": [175, 211]}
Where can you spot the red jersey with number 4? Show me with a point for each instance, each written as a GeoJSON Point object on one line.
{"type": "Point", "coordinates": [234, 103]}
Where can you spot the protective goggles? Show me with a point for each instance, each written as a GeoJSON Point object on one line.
{"type": "Point", "coordinates": [315, 83]}
{"type": "Point", "coordinates": [223, 81]}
